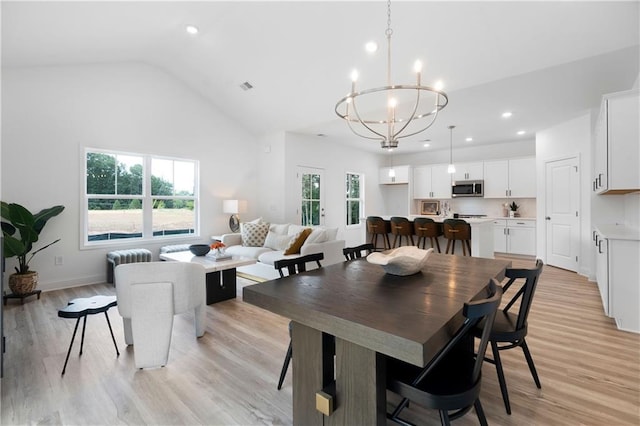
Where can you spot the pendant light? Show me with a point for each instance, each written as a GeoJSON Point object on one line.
{"type": "Point", "coordinates": [451, 169]}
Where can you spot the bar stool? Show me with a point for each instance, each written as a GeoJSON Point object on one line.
{"type": "Point", "coordinates": [457, 229]}
{"type": "Point", "coordinates": [401, 227]}
{"type": "Point", "coordinates": [425, 228]}
{"type": "Point", "coordinates": [378, 226]}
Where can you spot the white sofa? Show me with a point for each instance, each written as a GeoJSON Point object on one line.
{"type": "Point", "coordinates": [320, 240]}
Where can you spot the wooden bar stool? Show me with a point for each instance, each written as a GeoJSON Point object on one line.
{"type": "Point", "coordinates": [378, 226]}
{"type": "Point", "coordinates": [401, 227]}
{"type": "Point", "coordinates": [425, 228]}
{"type": "Point", "coordinates": [457, 230]}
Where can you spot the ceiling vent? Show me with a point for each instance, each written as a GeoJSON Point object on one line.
{"type": "Point", "coordinates": [246, 86]}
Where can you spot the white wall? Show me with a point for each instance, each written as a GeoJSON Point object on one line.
{"type": "Point", "coordinates": [336, 160]}
{"type": "Point", "coordinates": [470, 153]}
{"type": "Point", "coordinates": [569, 139]}
{"type": "Point", "coordinates": [49, 114]}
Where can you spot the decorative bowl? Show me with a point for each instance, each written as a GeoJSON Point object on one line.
{"type": "Point", "coordinates": [199, 249]}
{"type": "Point", "coordinates": [402, 261]}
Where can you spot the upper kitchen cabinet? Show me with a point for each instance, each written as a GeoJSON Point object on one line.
{"type": "Point", "coordinates": [469, 171]}
{"type": "Point", "coordinates": [513, 178]}
{"type": "Point", "coordinates": [618, 144]}
{"type": "Point", "coordinates": [399, 175]}
{"type": "Point", "coordinates": [431, 182]}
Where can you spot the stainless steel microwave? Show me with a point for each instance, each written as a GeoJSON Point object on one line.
{"type": "Point", "coordinates": [467, 188]}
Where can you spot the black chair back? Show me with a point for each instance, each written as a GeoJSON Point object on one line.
{"type": "Point", "coordinates": [525, 293]}
{"type": "Point", "coordinates": [351, 253]}
{"type": "Point", "coordinates": [451, 380]}
{"type": "Point", "coordinates": [297, 264]}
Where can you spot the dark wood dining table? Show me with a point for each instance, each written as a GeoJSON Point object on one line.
{"type": "Point", "coordinates": [361, 314]}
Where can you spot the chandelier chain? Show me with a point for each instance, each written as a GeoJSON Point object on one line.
{"type": "Point", "coordinates": [389, 31]}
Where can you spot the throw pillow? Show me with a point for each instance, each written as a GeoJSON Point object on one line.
{"type": "Point", "coordinates": [318, 235]}
{"type": "Point", "coordinates": [297, 241]}
{"type": "Point", "coordinates": [279, 229]}
{"type": "Point", "coordinates": [276, 241]}
{"type": "Point", "coordinates": [254, 234]}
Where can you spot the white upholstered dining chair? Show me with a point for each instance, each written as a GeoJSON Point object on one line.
{"type": "Point", "coordinates": [149, 295]}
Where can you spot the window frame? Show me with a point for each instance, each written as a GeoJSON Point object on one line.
{"type": "Point", "coordinates": [146, 200]}
{"type": "Point", "coordinates": [360, 200]}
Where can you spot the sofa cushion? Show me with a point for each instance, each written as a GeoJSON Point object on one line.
{"type": "Point", "coordinates": [279, 228]}
{"type": "Point", "coordinates": [297, 241]}
{"type": "Point", "coordinates": [254, 234]}
{"type": "Point", "coordinates": [252, 252]}
{"type": "Point", "coordinates": [276, 241]}
{"type": "Point", "coordinates": [318, 235]}
{"type": "Point", "coordinates": [271, 256]}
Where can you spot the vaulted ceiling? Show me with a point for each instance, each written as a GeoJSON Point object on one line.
{"type": "Point", "coordinates": [546, 62]}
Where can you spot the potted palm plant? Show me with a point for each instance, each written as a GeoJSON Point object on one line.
{"type": "Point", "coordinates": [21, 229]}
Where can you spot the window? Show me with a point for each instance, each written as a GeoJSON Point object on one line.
{"type": "Point", "coordinates": [354, 198]}
{"type": "Point", "coordinates": [134, 196]}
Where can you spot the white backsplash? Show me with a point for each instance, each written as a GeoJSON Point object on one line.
{"type": "Point", "coordinates": [492, 207]}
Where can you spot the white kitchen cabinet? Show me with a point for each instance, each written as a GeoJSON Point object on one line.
{"type": "Point", "coordinates": [618, 144]}
{"type": "Point", "coordinates": [469, 171]}
{"type": "Point", "coordinates": [400, 175]}
{"type": "Point", "coordinates": [515, 236]}
{"type": "Point", "coordinates": [617, 253]}
{"type": "Point", "coordinates": [512, 178]}
{"type": "Point", "coordinates": [431, 182]}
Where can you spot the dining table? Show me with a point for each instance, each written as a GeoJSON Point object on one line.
{"type": "Point", "coordinates": [348, 317]}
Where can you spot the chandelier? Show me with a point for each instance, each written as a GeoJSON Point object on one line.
{"type": "Point", "coordinates": [402, 110]}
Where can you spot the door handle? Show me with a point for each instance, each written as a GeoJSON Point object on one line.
{"type": "Point", "coordinates": [547, 218]}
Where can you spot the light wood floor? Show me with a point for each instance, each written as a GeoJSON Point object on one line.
{"type": "Point", "coordinates": [590, 371]}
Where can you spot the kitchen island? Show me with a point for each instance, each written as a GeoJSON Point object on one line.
{"type": "Point", "coordinates": [481, 234]}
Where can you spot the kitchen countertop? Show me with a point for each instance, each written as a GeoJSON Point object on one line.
{"type": "Point", "coordinates": [616, 231]}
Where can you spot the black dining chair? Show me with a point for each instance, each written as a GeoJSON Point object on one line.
{"type": "Point", "coordinates": [351, 253]}
{"type": "Point", "coordinates": [293, 266]}
{"type": "Point", "coordinates": [510, 329]}
{"type": "Point", "coordinates": [451, 380]}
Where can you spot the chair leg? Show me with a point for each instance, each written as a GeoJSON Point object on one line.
{"type": "Point", "coordinates": [70, 346]}
{"type": "Point", "coordinates": [448, 245]}
{"type": "Point", "coordinates": [501, 380]}
{"type": "Point", "coordinates": [444, 418]}
{"type": "Point", "coordinates": [388, 246]}
{"type": "Point", "coordinates": [285, 366]}
{"type": "Point", "coordinates": [480, 412]}
{"type": "Point", "coordinates": [395, 240]}
{"type": "Point", "coordinates": [374, 240]}
{"type": "Point", "coordinates": [437, 243]}
{"type": "Point", "coordinates": [468, 246]}
{"type": "Point", "coordinates": [111, 331]}
{"type": "Point", "coordinates": [532, 367]}
{"type": "Point", "coordinates": [464, 248]}
{"type": "Point", "coordinates": [411, 239]}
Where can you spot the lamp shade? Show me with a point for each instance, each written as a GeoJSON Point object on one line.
{"type": "Point", "coordinates": [234, 206]}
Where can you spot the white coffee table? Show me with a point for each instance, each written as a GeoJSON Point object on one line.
{"type": "Point", "coordinates": [221, 274]}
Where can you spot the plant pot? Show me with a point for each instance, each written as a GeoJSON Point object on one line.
{"type": "Point", "coordinates": [23, 283]}
{"type": "Point", "coordinates": [512, 213]}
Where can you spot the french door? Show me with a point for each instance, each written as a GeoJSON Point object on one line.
{"type": "Point", "coordinates": [310, 182]}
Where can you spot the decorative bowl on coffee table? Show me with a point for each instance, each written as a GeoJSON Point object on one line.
{"type": "Point", "coordinates": [199, 249]}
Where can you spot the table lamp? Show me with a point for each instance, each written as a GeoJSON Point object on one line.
{"type": "Point", "coordinates": [234, 207]}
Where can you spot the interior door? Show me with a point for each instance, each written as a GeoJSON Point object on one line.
{"type": "Point", "coordinates": [311, 210]}
{"type": "Point", "coordinates": [562, 215]}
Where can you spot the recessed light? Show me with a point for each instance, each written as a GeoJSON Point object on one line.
{"type": "Point", "coordinates": [521, 132]}
{"type": "Point", "coordinates": [193, 30]}
{"type": "Point", "coordinates": [371, 46]}
{"type": "Point", "coordinates": [507, 114]}
{"type": "Point", "coordinates": [426, 145]}
{"type": "Point", "coordinates": [439, 85]}
{"type": "Point", "coordinates": [468, 139]}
